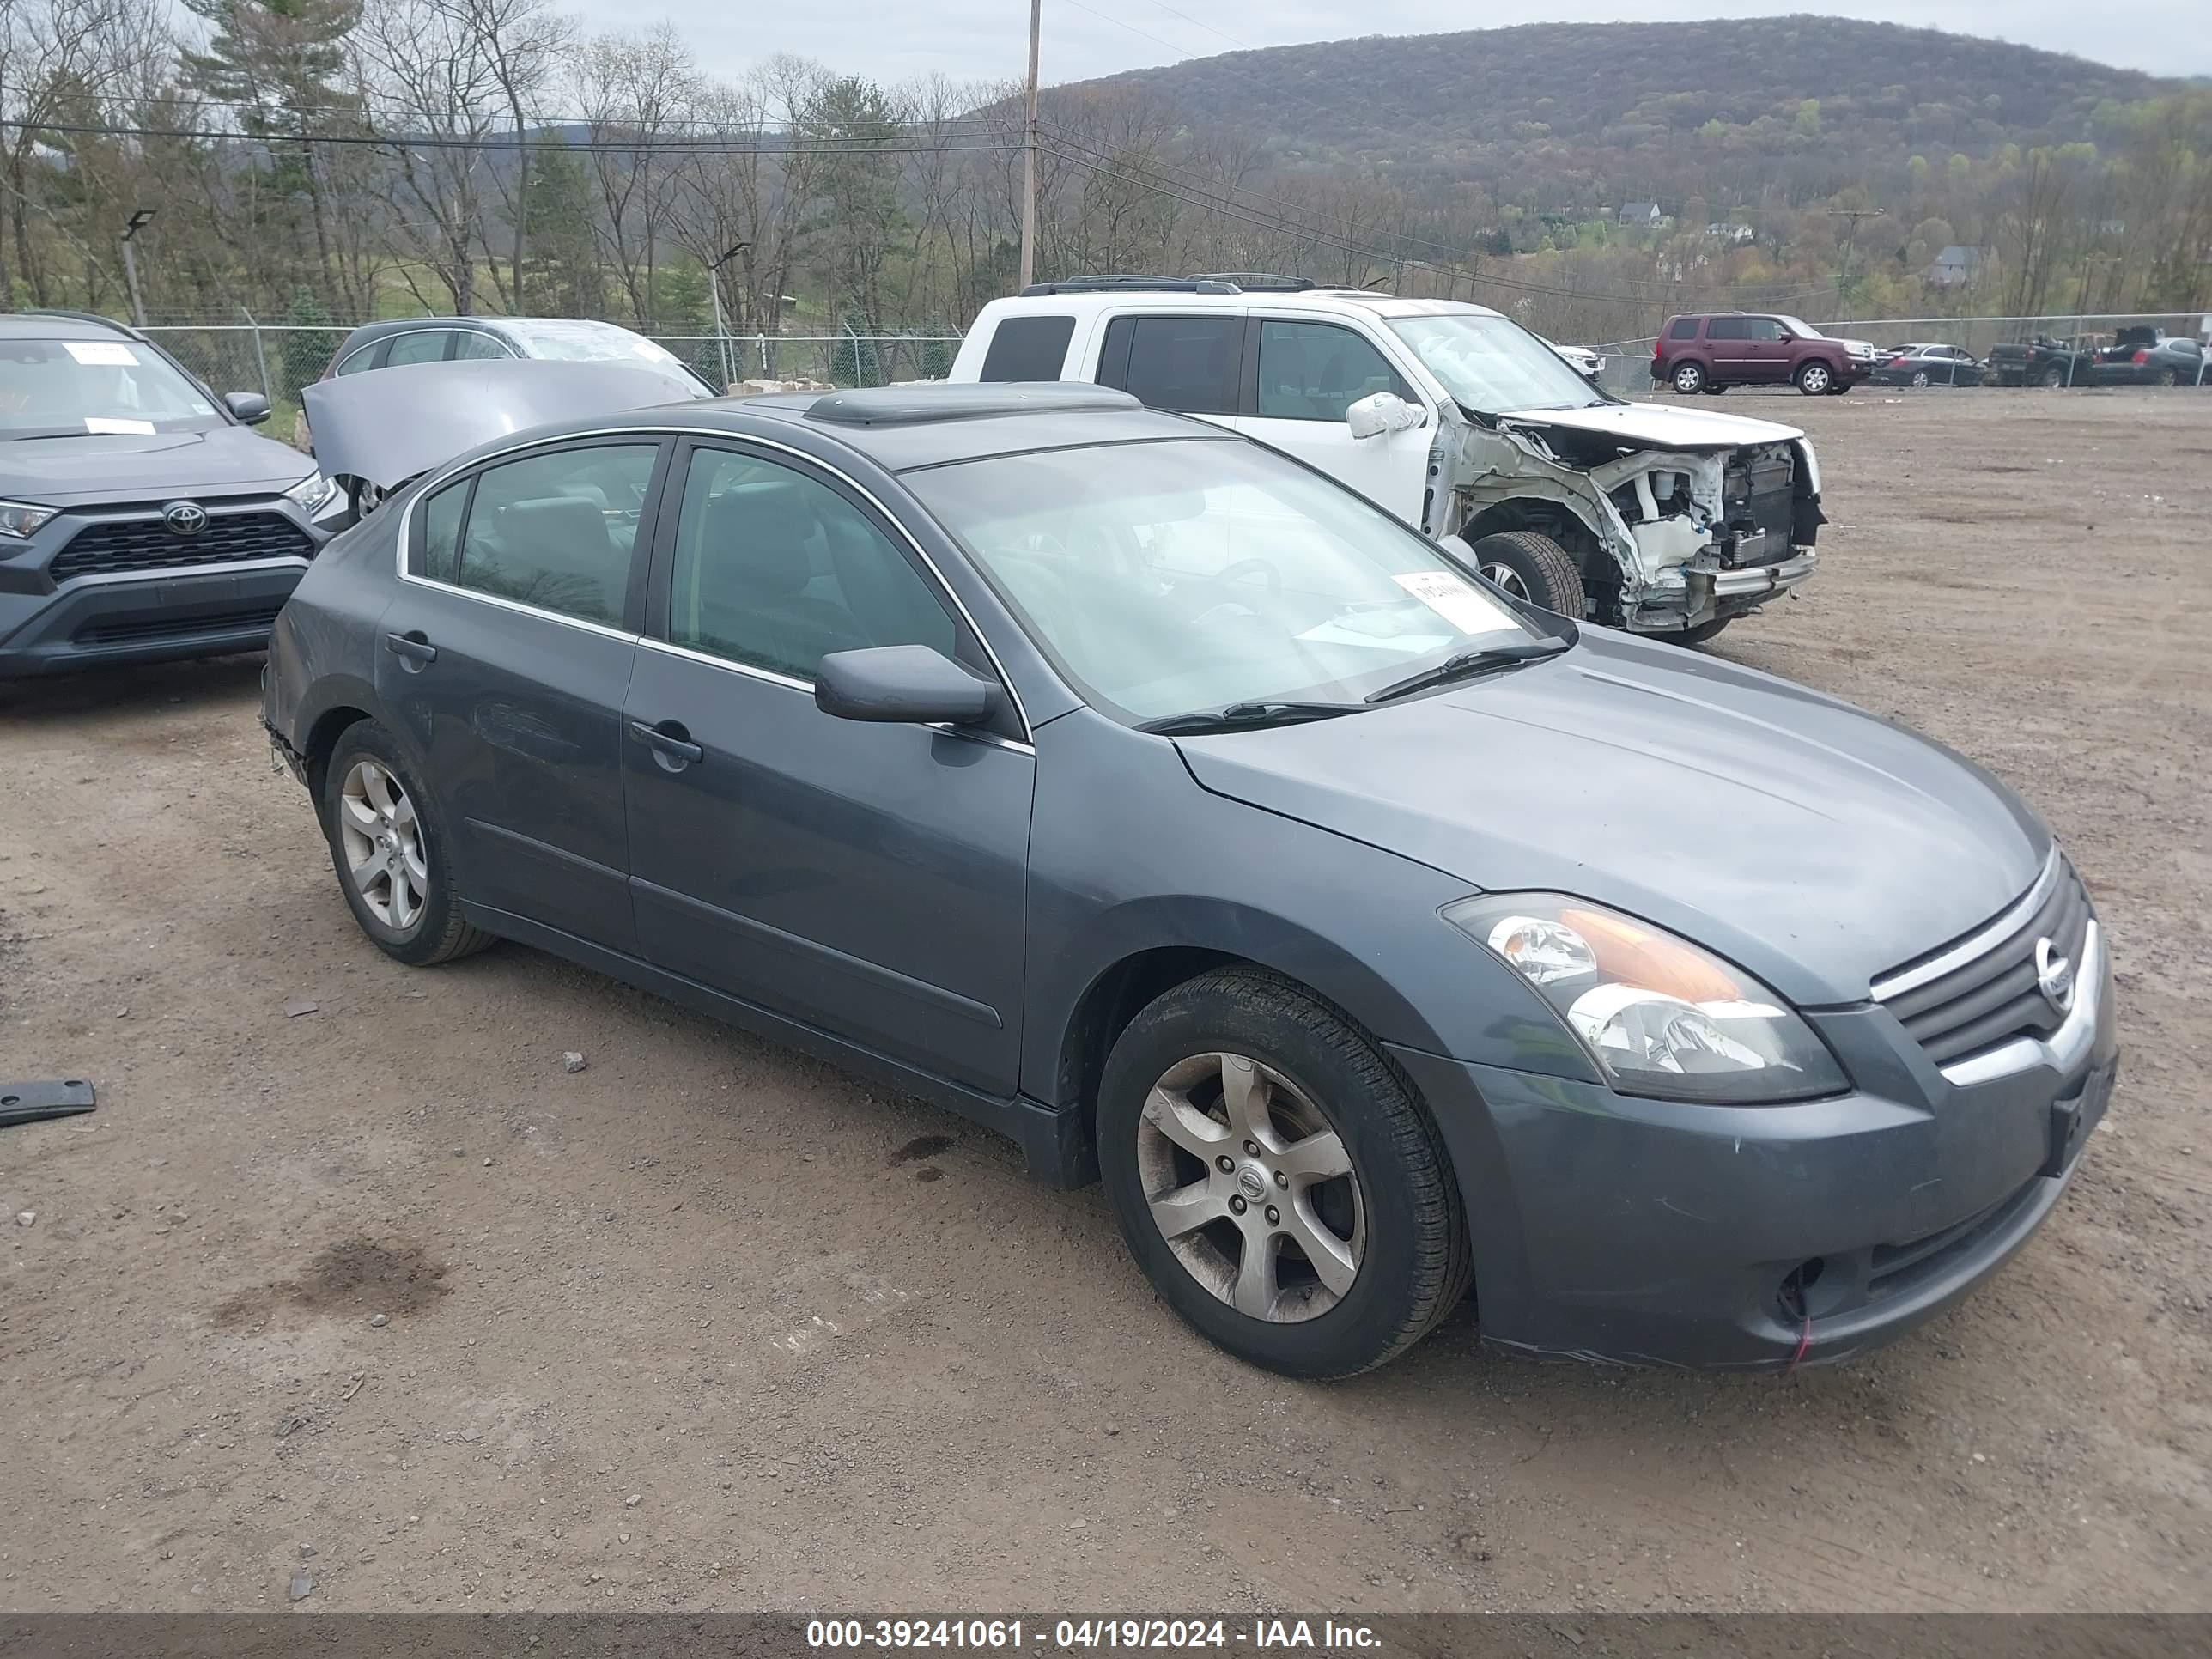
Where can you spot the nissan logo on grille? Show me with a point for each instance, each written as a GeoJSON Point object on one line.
{"type": "Point", "coordinates": [2054, 976]}
{"type": "Point", "coordinates": [185, 518]}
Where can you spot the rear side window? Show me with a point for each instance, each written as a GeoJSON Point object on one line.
{"type": "Point", "coordinates": [422, 345]}
{"type": "Point", "coordinates": [1029, 348]}
{"type": "Point", "coordinates": [557, 531]}
{"type": "Point", "coordinates": [1729, 328]}
{"type": "Point", "coordinates": [1682, 328]}
{"type": "Point", "coordinates": [1185, 364]}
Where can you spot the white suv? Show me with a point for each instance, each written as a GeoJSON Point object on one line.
{"type": "Point", "coordinates": [1666, 520]}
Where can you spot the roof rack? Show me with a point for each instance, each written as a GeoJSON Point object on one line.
{"type": "Point", "coordinates": [83, 316]}
{"type": "Point", "coordinates": [1112, 284]}
{"type": "Point", "coordinates": [1258, 282]}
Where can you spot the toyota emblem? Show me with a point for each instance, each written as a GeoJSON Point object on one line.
{"type": "Point", "coordinates": [2054, 976]}
{"type": "Point", "coordinates": [185, 518]}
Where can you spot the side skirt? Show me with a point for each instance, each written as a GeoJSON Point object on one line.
{"type": "Point", "coordinates": [1054, 1146]}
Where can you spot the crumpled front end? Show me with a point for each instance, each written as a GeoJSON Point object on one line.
{"type": "Point", "coordinates": [1686, 533]}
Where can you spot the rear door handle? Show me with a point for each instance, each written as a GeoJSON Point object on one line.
{"type": "Point", "coordinates": [413, 647]}
{"type": "Point", "coordinates": [670, 741]}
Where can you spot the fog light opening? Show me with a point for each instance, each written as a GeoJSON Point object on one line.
{"type": "Point", "coordinates": [1794, 1294]}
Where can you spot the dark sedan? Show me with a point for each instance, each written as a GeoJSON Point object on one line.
{"type": "Point", "coordinates": [2151, 358]}
{"type": "Point", "coordinates": [1928, 364]}
{"type": "Point", "coordinates": [1143, 794]}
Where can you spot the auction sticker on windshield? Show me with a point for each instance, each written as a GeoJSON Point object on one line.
{"type": "Point", "coordinates": [108, 354]}
{"type": "Point", "coordinates": [1458, 601]}
{"type": "Point", "coordinates": [118, 428]}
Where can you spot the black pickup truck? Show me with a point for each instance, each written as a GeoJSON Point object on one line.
{"type": "Point", "coordinates": [2136, 355]}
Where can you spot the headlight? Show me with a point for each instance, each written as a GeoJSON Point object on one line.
{"type": "Point", "coordinates": [1658, 1015]}
{"type": "Point", "coordinates": [313, 492]}
{"type": "Point", "coordinates": [21, 519]}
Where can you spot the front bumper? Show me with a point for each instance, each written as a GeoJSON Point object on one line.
{"type": "Point", "coordinates": [103, 620]}
{"type": "Point", "coordinates": [1649, 1233]}
{"type": "Point", "coordinates": [1764, 580]}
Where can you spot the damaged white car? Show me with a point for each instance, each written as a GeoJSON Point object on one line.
{"type": "Point", "coordinates": [1660, 519]}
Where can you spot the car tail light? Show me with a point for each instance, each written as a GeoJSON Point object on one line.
{"type": "Point", "coordinates": [2141, 357]}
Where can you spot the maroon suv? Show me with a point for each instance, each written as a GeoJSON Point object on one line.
{"type": "Point", "coordinates": [1722, 348]}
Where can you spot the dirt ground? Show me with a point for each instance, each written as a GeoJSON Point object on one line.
{"type": "Point", "coordinates": [707, 1326]}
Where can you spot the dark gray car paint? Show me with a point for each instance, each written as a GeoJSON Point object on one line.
{"type": "Point", "coordinates": [137, 466]}
{"type": "Point", "coordinates": [915, 945]}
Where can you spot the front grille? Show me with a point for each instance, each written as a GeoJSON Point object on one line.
{"type": "Point", "coordinates": [1993, 997]}
{"type": "Point", "coordinates": [137, 630]}
{"type": "Point", "coordinates": [1760, 493]}
{"type": "Point", "coordinates": [132, 545]}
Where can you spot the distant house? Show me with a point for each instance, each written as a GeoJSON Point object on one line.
{"type": "Point", "coordinates": [1645, 215]}
{"type": "Point", "coordinates": [1956, 266]}
{"type": "Point", "coordinates": [1723, 231]}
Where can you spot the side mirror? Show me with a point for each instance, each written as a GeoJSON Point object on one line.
{"type": "Point", "coordinates": [903, 683]}
{"type": "Point", "coordinates": [1381, 412]}
{"type": "Point", "coordinates": [251, 407]}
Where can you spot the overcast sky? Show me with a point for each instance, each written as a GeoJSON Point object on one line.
{"type": "Point", "coordinates": [981, 38]}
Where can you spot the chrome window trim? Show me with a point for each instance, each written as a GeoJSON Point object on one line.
{"type": "Point", "coordinates": [2064, 1049]}
{"type": "Point", "coordinates": [421, 491]}
{"type": "Point", "coordinates": [2014, 917]}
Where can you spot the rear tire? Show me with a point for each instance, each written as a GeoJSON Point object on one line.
{"type": "Point", "coordinates": [2052, 378]}
{"type": "Point", "coordinates": [1532, 567]}
{"type": "Point", "coordinates": [1697, 633]}
{"type": "Point", "coordinates": [390, 852]}
{"type": "Point", "coordinates": [1815, 380]}
{"type": "Point", "coordinates": [1714, 391]}
{"type": "Point", "coordinates": [1688, 378]}
{"type": "Point", "coordinates": [1238, 1059]}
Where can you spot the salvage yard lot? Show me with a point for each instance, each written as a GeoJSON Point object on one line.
{"type": "Point", "coordinates": [707, 1326]}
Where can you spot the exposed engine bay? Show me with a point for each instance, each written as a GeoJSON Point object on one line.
{"type": "Point", "coordinates": [1677, 519]}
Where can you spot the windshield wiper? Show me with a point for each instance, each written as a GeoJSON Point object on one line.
{"type": "Point", "coordinates": [1240, 716]}
{"type": "Point", "coordinates": [1471, 662]}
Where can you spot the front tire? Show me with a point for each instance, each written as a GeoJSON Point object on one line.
{"type": "Point", "coordinates": [1697, 633]}
{"type": "Point", "coordinates": [1333, 1239]}
{"type": "Point", "coordinates": [1532, 567]}
{"type": "Point", "coordinates": [1688, 378]}
{"type": "Point", "coordinates": [390, 852]}
{"type": "Point", "coordinates": [1814, 379]}
{"type": "Point", "coordinates": [2052, 379]}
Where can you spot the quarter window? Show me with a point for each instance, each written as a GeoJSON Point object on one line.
{"type": "Point", "coordinates": [555, 530]}
{"type": "Point", "coordinates": [1028, 348]}
{"type": "Point", "coordinates": [364, 358]}
{"type": "Point", "coordinates": [775, 569]}
{"type": "Point", "coordinates": [1682, 328]}
{"type": "Point", "coordinates": [1315, 371]}
{"type": "Point", "coordinates": [1186, 364]}
{"type": "Point", "coordinates": [442, 531]}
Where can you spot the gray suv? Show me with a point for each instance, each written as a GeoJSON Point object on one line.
{"type": "Point", "coordinates": [140, 521]}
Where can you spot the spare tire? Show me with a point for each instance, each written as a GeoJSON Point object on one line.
{"type": "Point", "coordinates": [1533, 567]}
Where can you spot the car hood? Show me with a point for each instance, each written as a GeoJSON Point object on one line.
{"type": "Point", "coordinates": [132, 466]}
{"type": "Point", "coordinates": [388, 425]}
{"type": "Point", "coordinates": [1658, 426]}
{"type": "Point", "coordinates": [1805, 840]}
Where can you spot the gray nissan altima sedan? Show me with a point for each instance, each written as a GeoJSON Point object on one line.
{"type": "Point", "coordinates": [1143, 794]}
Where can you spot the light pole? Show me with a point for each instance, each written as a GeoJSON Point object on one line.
{"type": "Point", "coordinates": [722, 321]}
{"type": "Point", "coordinates": [131, 264]}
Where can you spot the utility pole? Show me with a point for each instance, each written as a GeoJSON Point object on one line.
{"type": "Point", "coordinates": [1850, 243]}
{"type": "Point", "coordinates": [1029, 154]}
{"type": "Point", "coordinates": [130, 266]}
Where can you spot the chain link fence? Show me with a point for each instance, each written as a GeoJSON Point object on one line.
{"type": "Point", "coordinates": [1627, 370]}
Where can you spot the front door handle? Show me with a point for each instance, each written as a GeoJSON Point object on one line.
{"type": "Point", "coordinates": [412, 647]}
{"type": "Point", "coordinates": [671, 743]}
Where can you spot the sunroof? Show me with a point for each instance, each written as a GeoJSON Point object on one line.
{"type": "Point", "coordinates": [911, 405]}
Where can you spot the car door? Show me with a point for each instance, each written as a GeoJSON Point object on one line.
{"type": "Point", "coordinates": [1301, 375]}
{"type": "Point", "coordinates": [1766, 352]}
{"type": "Point", "coordinates": [504, 658]}
{"type": "Point", "coordinates": [865, 879]}
{"type": "Point", "coordinates": [1727, 341]}
{"type": "Point", "coordinates": [1189, 365]}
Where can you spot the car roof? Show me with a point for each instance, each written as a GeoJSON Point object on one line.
{"type": "Point", "coordinates": [500, 326]}
{"type": "Point", "coordinates": [1320, 301]}
{"type": "Point", "coordinates": [903, 427]}
{"type": "Point", "coordinates": [59, 326]}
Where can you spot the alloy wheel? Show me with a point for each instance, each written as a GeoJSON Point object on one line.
{"type": "Point", "coordinates": [384, 857]}
{"type": "Point", "coordinates": [1251, 1186]}
{"type": "Point", "coordinates": [1507, 578]}
{"type": "Point", "coordinates": [1816, 380]}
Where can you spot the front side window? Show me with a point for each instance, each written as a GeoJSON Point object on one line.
{"type": "Point", "coordinates": [58, 388]}
{"type": "Point", "coordinates": [1315, 371]}
{"type": "Point", "coordinates": [1166, 577]}
{"type": "Point", "coordinates": [775, 569]}
{"type": "Point", "coordinates": [1765, 328]}
{"type": "Point", "coordinates": [1493, 366]}
{"type": "Point", "coordinates": [1188, 365]}
{"type": "Point", "coordinates": [557, 531]}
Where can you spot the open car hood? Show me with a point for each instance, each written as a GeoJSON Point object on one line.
{"type": "Point", "coordinates": [1658, 426]}
{"type": "Point", "coordinates": [388, 425]}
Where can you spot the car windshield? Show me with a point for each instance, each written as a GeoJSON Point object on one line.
{"type": "Point", "coordinates": [564, 341]}
{"type": "Point", "coordinates": [1194, 574]}
{"type": "Point", "coordinates": [1493, 366]}
{"type": "Point", "coordinates": [1801, 328]}
{"type": "Point", "coordinates": [51, 388]}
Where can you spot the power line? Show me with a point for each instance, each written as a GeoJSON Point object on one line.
{"type": "Point", "coordinates": [1201, 23]}
{"type": "Point", "coordinates": [1103, 18]}
{"type": "Point", "coordinates": [677, 148]}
